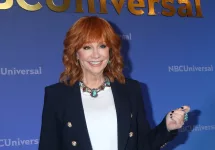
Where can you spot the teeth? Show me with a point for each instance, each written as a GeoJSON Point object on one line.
{"type": "Point", "coordinates": [95, 62]}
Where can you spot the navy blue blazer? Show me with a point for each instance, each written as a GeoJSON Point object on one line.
{"type": "Point", "coordinates": [64, 127]}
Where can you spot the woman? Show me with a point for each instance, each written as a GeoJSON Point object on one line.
{"type": "Point", "coordinates": [95, 107]}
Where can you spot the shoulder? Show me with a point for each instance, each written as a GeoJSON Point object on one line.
{"type": "Point", "coordinates": [55, 93]}
{"type": "Point", "coordinates": [134, 89]}
{"type": "Point", "coordinates": [132, 83]}
{"type": "Point", "coordinates": [57, 88]}
{"type": "Point", "coordinates": [133, 86]}
{"type": "Point", "coordinates": [136, 86]}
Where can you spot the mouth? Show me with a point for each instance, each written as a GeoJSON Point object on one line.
{"type": "Point", "coordinates": [95, 63]}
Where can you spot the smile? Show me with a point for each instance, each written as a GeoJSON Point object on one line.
{"type": "Point", "coordinates": [95, 63]}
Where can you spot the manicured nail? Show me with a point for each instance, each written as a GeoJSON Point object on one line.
{"type": "Point", "coordinates": [172, 111]}
{"type": "Point", "coordinates": [182, 107]}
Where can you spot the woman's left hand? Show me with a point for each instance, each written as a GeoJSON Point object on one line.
{"type": "Point", "coordinates": [176, 118]}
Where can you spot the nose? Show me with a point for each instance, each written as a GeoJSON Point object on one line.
{"type": "Point", "coordinates": [96, 53]}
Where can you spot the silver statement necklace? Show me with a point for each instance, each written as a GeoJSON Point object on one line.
{"type": "Point", "coordinates": [94, 92]}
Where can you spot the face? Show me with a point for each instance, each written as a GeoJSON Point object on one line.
{"type": "Point", "coordinates": [93, 58]}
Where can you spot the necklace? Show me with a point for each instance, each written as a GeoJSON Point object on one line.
{"type": "Point", "coordinates": [94, 92]}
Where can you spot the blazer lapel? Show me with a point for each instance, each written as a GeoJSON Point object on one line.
{"type": "Point", "coordinates": [123, 111]}
{"type": "Point", "coordinates": [75, 111]}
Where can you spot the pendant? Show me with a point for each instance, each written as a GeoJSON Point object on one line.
{"type": "Point", "coordinates": [107, 84]}
{"type": "Point", "coordinates": [94, 93]}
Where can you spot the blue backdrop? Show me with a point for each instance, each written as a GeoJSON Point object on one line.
{"type": "Point", "coordinates": [173, 58]}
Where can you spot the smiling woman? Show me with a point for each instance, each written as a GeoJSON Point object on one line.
{"type": "Point", "coordinates": [90, 45]}
{"type": "Point", "coordinates": [94, 107]}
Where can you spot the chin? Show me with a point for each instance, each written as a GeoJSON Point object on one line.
{"type": "Point", "coordinates": [96, 71]}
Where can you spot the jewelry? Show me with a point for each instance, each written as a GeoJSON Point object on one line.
{"type": "Point", "coordinates": [185, 117]}
{"type": "Point", "coordinates": [94, 92]}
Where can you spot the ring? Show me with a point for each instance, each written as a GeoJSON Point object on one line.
{"type": "Point", "coordinates": [185, 117]}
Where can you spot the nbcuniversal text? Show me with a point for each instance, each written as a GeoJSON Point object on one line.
{"type": "Point", "coordinates": [136, 7]}
{"type": "Point", "coordinates": [193, 68]}
{"type": "Point", "coordinates": [15, 71]}
{"type": "Point", "coordinates": [17, 142]}
{"type": "Point", "coordinates": [190, 128]}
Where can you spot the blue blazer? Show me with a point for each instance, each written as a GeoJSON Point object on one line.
{"type": "Point", "coordinates": [64, 127]}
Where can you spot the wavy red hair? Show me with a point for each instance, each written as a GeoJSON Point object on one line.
{"type": "Point", "coordinates": [91, 29]}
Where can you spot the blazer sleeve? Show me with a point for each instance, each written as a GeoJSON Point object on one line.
{"type": "Point", "coordinates": [48, 134]}
{"type": "Point", "coordinates": [156, 137]}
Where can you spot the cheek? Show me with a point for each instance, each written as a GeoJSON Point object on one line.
{"type": "Point", "coordinates": [82, 55]}
{"type": "Point", "coordinates": [106, 54]}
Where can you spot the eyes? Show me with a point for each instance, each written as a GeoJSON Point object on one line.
{"type": "Point", "coordinates": [89, 47]}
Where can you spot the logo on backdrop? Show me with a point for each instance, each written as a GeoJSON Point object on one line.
{"type": "Point", "coordinates": [20, 71]}
{"type": "Point", "coordinates": [188, 68]}
{"type": "Point", "coordinates": [191, 128]}
{"type": "Point", "coordinates": [184, 8]}
{"type": "Point", "coordinates": [126, 36]}
{"type": "Point", "coordinates": [17, 142]}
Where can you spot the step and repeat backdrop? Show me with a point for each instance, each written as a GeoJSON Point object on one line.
{"type": "Point", "coordinates": [168, 46]}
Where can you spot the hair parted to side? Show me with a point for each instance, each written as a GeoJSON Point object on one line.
{"type": "Point", "coordinates": [91, 29]}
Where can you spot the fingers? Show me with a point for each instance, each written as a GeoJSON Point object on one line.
{"type": "Point", "coordinates": [185, 108]}
{"type": "Point", "coordinates": [178, 118]}
{"type": "Point", "coordinates": [178, 115]}
{"type": "Point", "coordinates": [180, 112]}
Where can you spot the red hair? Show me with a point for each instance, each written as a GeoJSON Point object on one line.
{"type": "Point", "coordinates": [91, 29]}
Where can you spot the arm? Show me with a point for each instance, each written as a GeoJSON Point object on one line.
{"type": "Point", "coordinates": [157, 137]}
{"type": "Point", "coordinates": [48, 134]}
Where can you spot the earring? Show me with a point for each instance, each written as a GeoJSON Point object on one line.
{"type": "Point", "coordinates": [77, 62]}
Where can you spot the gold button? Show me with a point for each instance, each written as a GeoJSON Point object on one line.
{"type": "Point", "coordinates": [74, 143]}
{"type": "Point", "coordinates": [163, 145]}
{"type": "Point", "coordinates": [69, 124]}
{"type": "Point", "coordinates": [131, 134]}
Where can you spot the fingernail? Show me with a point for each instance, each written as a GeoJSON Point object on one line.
{"type": "Point", "coordinates": [170, 114]}
{"type": "Point", "coordinates": [172, 111]}
{"type": "Point", "coordinates": [182, 107]}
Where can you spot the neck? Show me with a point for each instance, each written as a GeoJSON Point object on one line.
{"type": "Point", "coordinates": [92, 81]}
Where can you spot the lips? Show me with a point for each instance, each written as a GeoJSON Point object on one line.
{"type": "Point", "coordinates": [95, 63]}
